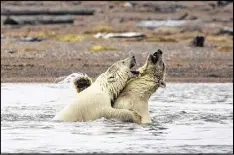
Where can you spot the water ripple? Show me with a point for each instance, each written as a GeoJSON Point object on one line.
{"type": "Point", "coordinates": [186, 118]}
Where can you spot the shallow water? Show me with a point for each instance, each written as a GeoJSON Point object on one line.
{"type": "Point", "coordinates": [187, 118]}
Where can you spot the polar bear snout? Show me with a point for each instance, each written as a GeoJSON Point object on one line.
{"type": "Point", "coordinates": [134, 73]}
{"type": "Point", "coordinates": [156, 56]}
{"type": "Point", "coordinates": [158, 53]}
{"type": "Point", "coordinates": [133, 62]}
{"type": "Point", "coordinates": [129, 62]}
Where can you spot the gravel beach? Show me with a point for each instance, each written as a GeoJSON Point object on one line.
{"type": "Point", "coordinates": [61, 49]}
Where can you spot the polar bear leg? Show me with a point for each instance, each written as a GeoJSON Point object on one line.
{"type": "Point", "coordinates": [121, 114]}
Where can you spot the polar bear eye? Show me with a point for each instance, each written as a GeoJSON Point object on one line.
{"type": "Point", "coordinates": [122, 62]}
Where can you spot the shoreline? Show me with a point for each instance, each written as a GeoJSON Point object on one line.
{"type": "Point", "coordinates": [168, 80]}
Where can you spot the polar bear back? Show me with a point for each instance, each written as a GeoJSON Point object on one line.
{"type": "Point", "coordinates": [82, 106]}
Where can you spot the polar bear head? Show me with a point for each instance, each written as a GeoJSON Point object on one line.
{"type": "Point", "coordinates": [122, 70]}
{"type": "Point", "coordinates": [155, 68]}
{"type": "Point", "coordinates": [116, 76]}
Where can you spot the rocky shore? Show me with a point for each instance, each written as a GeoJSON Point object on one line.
{"type": "Point", "coordinates": [34, 51]}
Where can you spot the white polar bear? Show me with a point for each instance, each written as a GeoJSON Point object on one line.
{"type": "Point", "coordinates": [137, 91]}
{"type": "Point", "coordinates": [95, 101]}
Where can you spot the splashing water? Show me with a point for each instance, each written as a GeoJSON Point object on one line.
{"type": "Point", "coordinates": [70, 78]}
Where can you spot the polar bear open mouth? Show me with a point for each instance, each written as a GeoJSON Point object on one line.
{"type": "Point", "coordinates": [135, 72]}
{"type": "Point", "coordinates": [156, 56]}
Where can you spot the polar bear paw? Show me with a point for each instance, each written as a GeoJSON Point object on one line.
{"type": "Point", "coordinates": [136, 116]}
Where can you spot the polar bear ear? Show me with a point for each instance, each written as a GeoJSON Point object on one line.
{"type": "Point", "coordinates": [162, 84]}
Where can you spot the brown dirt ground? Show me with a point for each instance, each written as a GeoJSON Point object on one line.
{"type": "Point", "coordinates": [54, 57]}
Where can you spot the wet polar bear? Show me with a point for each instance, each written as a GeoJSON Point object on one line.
{"type": "Point", "coordinates": [95, 101]}
{"type": "Point", "coordinates": [138, 90]}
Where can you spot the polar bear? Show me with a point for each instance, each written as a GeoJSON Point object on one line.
{"type": "Point", "coordinates": [95, 101]}
{"type": "Point", "coordinates": [138, 90]}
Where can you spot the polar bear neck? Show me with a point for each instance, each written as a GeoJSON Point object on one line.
{"type": "Point", "coordinates": [114, 88]}
{"type": "Point", "coordinates": [143, 86]}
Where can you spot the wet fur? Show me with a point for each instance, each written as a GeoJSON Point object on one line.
{"type": "Point", "coordinates": [94, 102]}
{"type": "Point", "coordinates": [137, 91]}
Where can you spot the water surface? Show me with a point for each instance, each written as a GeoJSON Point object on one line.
{"type": "Point", "coordinates": [187, 118]}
